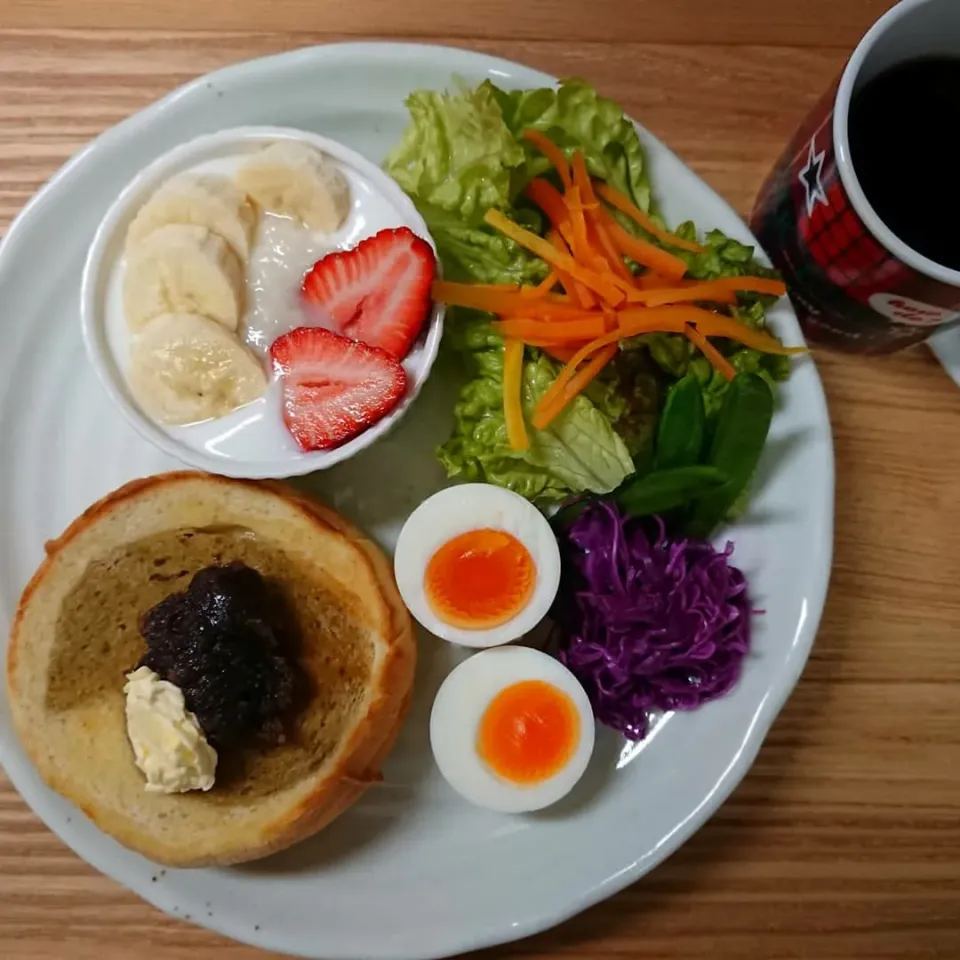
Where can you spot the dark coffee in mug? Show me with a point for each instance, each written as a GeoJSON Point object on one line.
{"type": "Point", "coordinates": [861, 214]}
{"type": "Point", "coordinates": [903, 130]}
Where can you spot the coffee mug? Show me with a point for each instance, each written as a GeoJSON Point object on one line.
{"type": "Point", "coordinates": [855, 285]}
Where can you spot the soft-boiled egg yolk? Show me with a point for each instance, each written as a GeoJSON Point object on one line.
{"type": "Point", "coordinates": [480, 579]}
{"type": "Point", "coordinates": [529, 732]}
{"type": "Point", "coordinates": [511, 729]}
{"type": "Point", "coordinates": [477, 565]}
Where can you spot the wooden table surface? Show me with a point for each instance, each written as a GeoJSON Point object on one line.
{"type": "Point", "coordinates": [843, 843]}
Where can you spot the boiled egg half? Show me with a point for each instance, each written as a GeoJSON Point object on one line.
{"type": "Point", "coordinates": [477, 565]}
{"type": "Point", "coordinates": [512, 729]}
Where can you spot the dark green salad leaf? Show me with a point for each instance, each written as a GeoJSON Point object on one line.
{"type": "Point", "coordinates": [738, 441]}
{"type": "Point", "coordinates": [682, 424]}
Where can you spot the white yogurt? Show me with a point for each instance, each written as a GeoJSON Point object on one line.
{"type": "Point", "coordinates": [283, 252]}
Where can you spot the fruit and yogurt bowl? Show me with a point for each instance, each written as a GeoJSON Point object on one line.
{"type": "Point", "coordinates": [257, 302]}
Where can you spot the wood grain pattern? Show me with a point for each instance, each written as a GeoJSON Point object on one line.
{"type": "Point", "coordinates": [813, 22]}
{"type": "Point", "coordinates": [843, 843]}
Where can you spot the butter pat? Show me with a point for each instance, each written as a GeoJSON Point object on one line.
{"type": "Point", "coordinates": [169, 745]}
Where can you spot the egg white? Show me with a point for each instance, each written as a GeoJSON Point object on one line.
{"type": "Point", "coordinates": [455, 723]}
{"type": "Point", "coordinates": [457, 510]}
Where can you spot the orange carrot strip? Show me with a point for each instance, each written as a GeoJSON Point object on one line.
{"type": "Point", "coordinates": [512, 395]}
{"type": "Point", "coordinates": [625, 205]}
{"type": "Point", "coordinates": [552, 152]}
{"type": "Point", "coordinates": [608, 248]}
{"type": "Point", "coordinates": [566, 374]}
{"type": "Point", "coordinates": [653, 281]}
{"type": "Point", "coordinates": [597, 232]}
{"type": "Point", "coordinates": [672, 319]}
{"type": "Point", "coordinates": [646, 254]}
{"type": "Point", "coordinates": [716, 358]}
{"type": "Point", "coordinates": [548, 198]}
{"type": "Point", "coordinates": [558, 331]}
{"type": "Point", "coordinates": [581, 178]}
{"type": "Point", "coordinates": [637, 320]}
{"type": "Point", "coordinates": [509, 301]}
{"type": "Point", "coordinates": [548, 283]}
{"type": "Point", "coordinates": [658, 296]}
{"type": "Point", "coordinates": [717, 291]}
{"type": "Point", "coordinates": [578, 225]}
{"type": "Point", "coordinates": [576, 290]}
{"type": "Point", "coordinates": [546, 413]}
{"type": "Point", "coordinates": [562, 352]}
{"type": "Point", "coordinates": [546, 251]}
{"type": "Point", "coordinates": [595, 262]}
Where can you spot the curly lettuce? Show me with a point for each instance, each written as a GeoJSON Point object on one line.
{"type": "Point", "coordinates": [578, 452]}
{"type": "Point", "coordinates": [576, 117]}
{"type": "Point", "coordinates": [463, 154]}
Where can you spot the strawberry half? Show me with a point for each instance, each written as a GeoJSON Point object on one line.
{"type": "Point", "coordinates": [378, 292]}
{"type": "Point", "coordinates": [333, 387]}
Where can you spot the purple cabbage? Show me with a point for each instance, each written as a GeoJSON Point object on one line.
{"type": "Point", "coordinates": [646, 623]}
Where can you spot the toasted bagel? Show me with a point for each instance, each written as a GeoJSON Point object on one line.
{"type": "Point", "coordinates": [75, 635]}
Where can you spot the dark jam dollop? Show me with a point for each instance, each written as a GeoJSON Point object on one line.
{"type": "Point", "coordinates": [222, 641]}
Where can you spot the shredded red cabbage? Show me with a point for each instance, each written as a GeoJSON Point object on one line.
{"type": "Point", "coordinates": [646, 623]}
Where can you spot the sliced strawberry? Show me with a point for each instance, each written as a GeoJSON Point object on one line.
{"type": "Point", "coordinates": [333, 387]}
{"type": "Point", "coordinates": [378, 292]}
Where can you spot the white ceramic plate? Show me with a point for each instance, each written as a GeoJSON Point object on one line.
{"type": "Point", "coordinates": [412, 870]}
{"type": "Point", "coordinates": [946, 348]}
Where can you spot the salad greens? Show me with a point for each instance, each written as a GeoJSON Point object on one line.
{"type": "Point", "coordinates": [735, 449]}
{"type": "Point", "coordinates": [658, 404]}
{"type": "Point", "coordinates": [579, 451]}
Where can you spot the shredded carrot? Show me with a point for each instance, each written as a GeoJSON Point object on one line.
{"type": "Point", "coordinates": [716, 358]}
{"type": "Point", "coordinates": [512, 394]}
{"type": "Point", "coordinates": [548, 198]}
{"type": "Point", "coordinates": [646, 254]}
{"type": "Point", "coordinates": [546, 251]}
{"type": "Point", "coordinates": [653, 281]}
{"type": "Point", "coordinates": [583, 353]}
{"type": "Point", "coordinates": [505, 300]}
{"type": "Point", "coordinates": [562, 352]}
{"type": "Point", "coordinates": [637, 320]}
{"type": "Point", "coordinates": [602, 242]}
{"type": "Point", "coordinates": [576, 290]}
{"type": "Point", "coordinates": [718, 291]}
{"type": "Point", "coordinates": [578, 224]}
{"type": "Point", "coordinates": [658, 296]}
{"type": "Point", "coordinates": [581, 178]}
{"type": "Point", "coordinates": [672, 319]}
{"type": "Point", "coordinates": [552, 152]}
{"type": "Point", "coordinates": [625, 205]}
{"type": "Point", "coordinates": [597, 234]}
{"type": "Point", "coordinates": [548, 283]}
{"type": "Point", "coordinates": [558, 331]}
{"type": "Point", "coordinates": [546, 412]}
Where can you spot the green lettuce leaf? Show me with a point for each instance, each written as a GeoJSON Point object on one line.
{"type": "Point", "coordinates": [456, 160]}
{"type": "Point", "coordinates": [723, 257]}
{"type": "Point", "coordinates": [479, 254]}
{"type": "Point", "coordinates": [457, 154]}
{"type": "Point", "coordinates": [576, 117]}
{"type": "Point", "coordinates": [579, 451]}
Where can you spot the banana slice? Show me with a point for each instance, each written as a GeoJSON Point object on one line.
{"type": "Point", "coordinates": [298, 181]}
{"type": "Point", "coordinates": [185, 368]}
{"type": "Point", "coordinates": [204, 201]}
{"type": "Point", "coordinates": [183, 269]}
